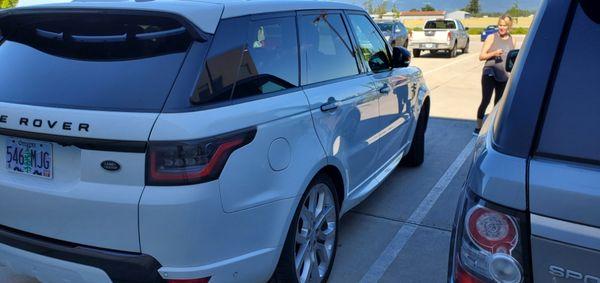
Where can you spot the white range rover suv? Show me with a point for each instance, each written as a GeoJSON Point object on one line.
{"type": "Point", "coordinates": [194, 141]}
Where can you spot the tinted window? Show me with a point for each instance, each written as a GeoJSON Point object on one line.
{"type": "Point", "coordinates": [401, 27]}
{"type": "Point", "coordinates": [248, 58]}
{"type": "Point", "coordinates": [271, 63]}
{"type": "Point", "coordinates": [441, 24]}
{"type": "Point", "coordinates": [571, 126]}
{"type": "Point", "coordinates": [373, 48]}
{"type": "Point", "coordinates": [326, 50]}
{"type": "Point", "coordinates": [104, 62]}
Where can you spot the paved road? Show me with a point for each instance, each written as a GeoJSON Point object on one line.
{"type": "Point", "coordinates": [401, 233]}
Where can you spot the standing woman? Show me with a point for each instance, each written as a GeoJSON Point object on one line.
{"type": "Point", "coordinates": [494, 52]}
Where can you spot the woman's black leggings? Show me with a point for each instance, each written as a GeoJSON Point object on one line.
{"type": "Point", "coordinates": [488, 85]}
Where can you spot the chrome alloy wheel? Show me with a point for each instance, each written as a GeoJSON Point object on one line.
{"type": "Point", "coordinates": [315, 235]}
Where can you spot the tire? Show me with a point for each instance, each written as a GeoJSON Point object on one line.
{"type": "Point", "coordinates": [416, 53]}
{"type": "Point", "coordinates": [416, 153]}
{"type": "Point", "coordinates": [319, 240]}
{"type": "Point", "coordinates": [466, 49]}
{"type": "Point", "coordinates": [452, 52]}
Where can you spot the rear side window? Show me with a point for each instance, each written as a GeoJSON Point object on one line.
{"type": "Point", "coordinates": [572, 119]}
{"type": "Point", "coordinates": [441, 24]}
{"type": "Point", "coordinates": [372, 46]}
{"type": "Point", "coordinates": [91, 61]}
{"type": "Point", "coordinates": [249, 57]}
{"type": "Point", "coordinates": [325, 48]}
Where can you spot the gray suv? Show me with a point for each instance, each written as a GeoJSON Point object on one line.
{"type": "Point", "coordinates": [530, 210]}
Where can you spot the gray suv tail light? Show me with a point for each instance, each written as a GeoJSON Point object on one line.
{"type": "Point", "coordinates": [491, 244]}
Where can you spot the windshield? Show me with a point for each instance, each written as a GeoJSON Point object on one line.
{"type": "Point", "coordinates": [386, 27]}
{"type": "Point", "coordinates": [492, 27]}
{"type": "Point", "coordinates": [83, 61]}
{"type": "Point", "coordinates": [441, 24]}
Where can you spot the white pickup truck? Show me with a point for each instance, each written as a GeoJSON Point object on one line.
{"type": "Point", "coordinates": [440, 35]}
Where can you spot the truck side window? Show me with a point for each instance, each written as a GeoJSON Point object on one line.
{"type": "Point", "coordinates": [570, 129]}
{"type": "Point", "coordinates": [372, 46]}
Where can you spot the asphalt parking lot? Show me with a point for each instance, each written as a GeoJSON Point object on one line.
{"type": "Point", "coordinates": [401, 233]}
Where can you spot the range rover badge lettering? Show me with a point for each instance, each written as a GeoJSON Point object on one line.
{"type": "Point", "coordinates": [110, 165]}
{"type": "Point", "coordinates": [564, 273]}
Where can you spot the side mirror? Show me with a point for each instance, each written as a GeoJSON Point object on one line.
{"type": "Point", "coordinates": [401, 57]}
{"type": "Point", "coordinates": [510, 59]}
{"type": "Point", "coordinates": [466, 29]}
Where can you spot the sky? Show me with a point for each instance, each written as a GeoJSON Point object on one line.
{"type": "Point", "coordinates": [448, 5]}
{"type": "Point", "coordinates": [452, 5]}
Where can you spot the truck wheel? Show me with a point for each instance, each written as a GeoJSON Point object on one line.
{"type": "Point", "coordinates": [466, 49]}
{"type": "Point", "coordinates": [311, 243]}
{"type": "Point", "coordinates": [416, 153]}
{"type": "Point", "coordinates": [417, 53]}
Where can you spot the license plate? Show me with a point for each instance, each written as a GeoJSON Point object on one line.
{"type": "Point", "coordinates": [429, 45]}
{"type": "Point", "coordinates": [29, 157]}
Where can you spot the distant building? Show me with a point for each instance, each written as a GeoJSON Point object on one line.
{"type": "Point", "coordinates": [389, 16]}
{"type": "Point", "coordinates": [422, 15]}
{"type": "Point", "coordinates": [458, 15]}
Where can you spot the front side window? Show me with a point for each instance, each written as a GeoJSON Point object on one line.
{"type": "Point", "coordinates": [372, 46]}
{"type": "Point", "coordinates": [249, 58]}
{"type": "Point", "coordinates": [570, 129]}
{"type": "Point", "coordinates": [326, 50]}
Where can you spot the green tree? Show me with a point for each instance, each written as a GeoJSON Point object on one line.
{"type": "Point", "coordinates": [381, 8]}
{"type": "Point", "coordinates": [369, 6]}
{"type": "Point", "coordinates": [428, 8]}
{"type": "Point", "coordinates": [4, 4]}
{"type": "Point", "coordinates": [396, 10]}
{"type": "Point", "coordinates": [473, 7]}
{"type": "Point", "coordinates": [515, 11]}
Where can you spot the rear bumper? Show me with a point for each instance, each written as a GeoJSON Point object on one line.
{"type": "Point", "coordinates": [430, 46]}
{"type": "Point", "coordinates": [50, 259]}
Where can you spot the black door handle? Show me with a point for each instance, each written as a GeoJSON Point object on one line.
{"type": "Point", "coordinates": [385, 89]}
{"type": "Point", "coordinates": [330, 105]}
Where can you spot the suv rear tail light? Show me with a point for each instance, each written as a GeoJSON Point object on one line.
{"type": "Point", "coordinates": [490, 244]}
{"type": "Point", "coordinates": [449, 36]}
{"type": "Point", "coordinates": [192, 162]}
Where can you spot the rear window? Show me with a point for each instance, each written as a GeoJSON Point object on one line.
{"type": "Point", "coordinates": [441, 24]}
{"type": "Point", "coordinates": [91, 61]}
{"type": "Point", "coordinates": [386, 27]}
{"type": "Point", "coordinates": [571, 125]}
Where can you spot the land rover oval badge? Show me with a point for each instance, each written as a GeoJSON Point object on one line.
{"type": "Point", "coordinates": [110, 165]}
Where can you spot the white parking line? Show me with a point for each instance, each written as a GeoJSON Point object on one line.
{"type": "Point", "coordinates": [394, 248]}
{"type": "Point", "coordinates": [469, 57]}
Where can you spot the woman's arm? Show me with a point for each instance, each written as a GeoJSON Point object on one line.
{"type": "Point", "coordinates": [485, 51]}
